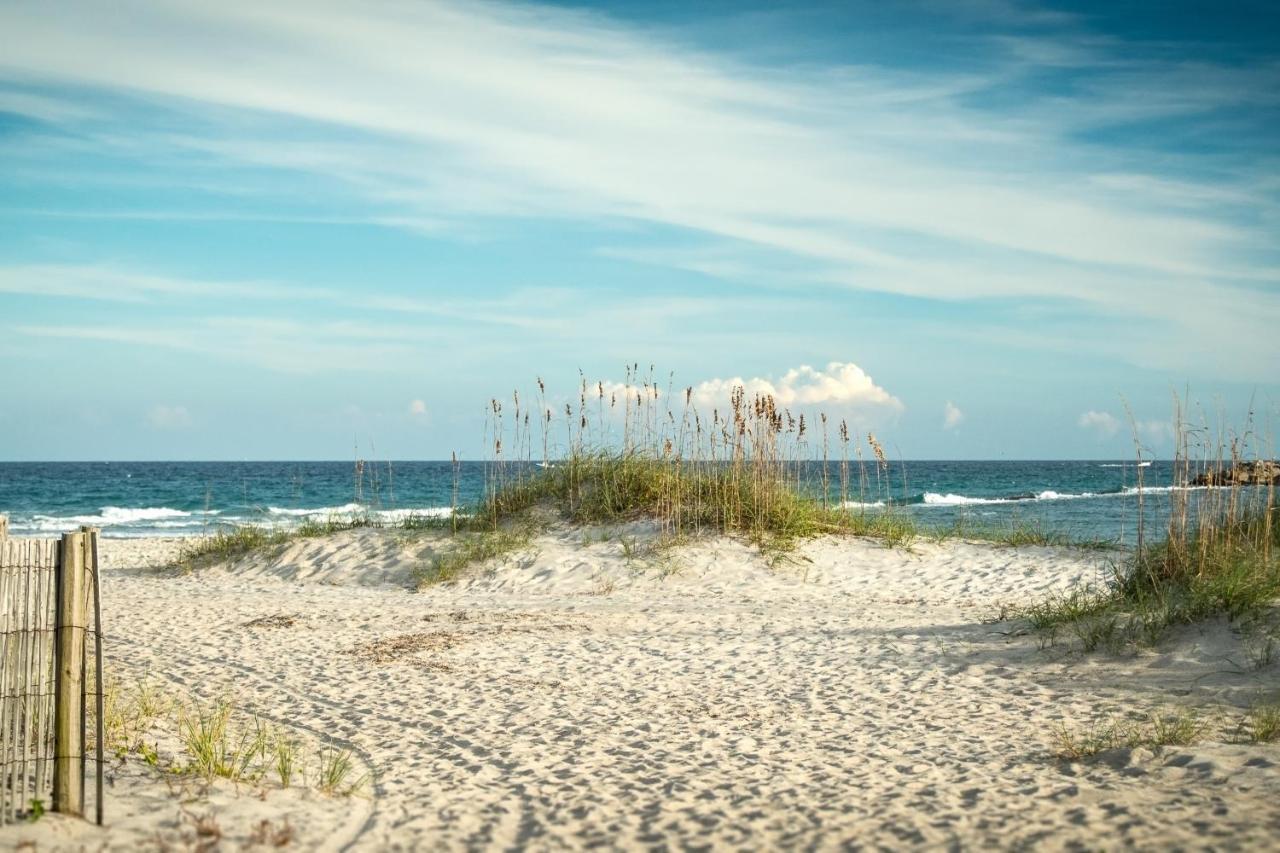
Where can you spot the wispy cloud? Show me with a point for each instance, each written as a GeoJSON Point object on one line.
{"type": "Point", "coordinates": [166, 417]}
{"type": "Point", "coordinates": [279, 345]}
{"type": "Point", "coordinates": [873, 178]}
{"type": "Point", "coordinates": [110, 283]}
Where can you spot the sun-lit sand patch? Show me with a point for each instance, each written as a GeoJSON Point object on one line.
{"type": "Point", "coordinates": [589, 689]}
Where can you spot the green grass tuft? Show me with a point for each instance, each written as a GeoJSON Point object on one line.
{"type": "Point", "coordinates": [1181, 727]}
{"type": "Point", "coordinates": [467, 549]}
{"type": "Point", "coordinates": [1264, 722]}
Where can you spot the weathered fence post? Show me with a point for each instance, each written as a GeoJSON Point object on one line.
{"type": "Point", "coordinates": [93, 599]}
{"type": "Point", "coordinates": [68, 772]}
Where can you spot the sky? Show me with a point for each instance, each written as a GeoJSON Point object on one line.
{"type": "Point", "coordinates": [982, 228]}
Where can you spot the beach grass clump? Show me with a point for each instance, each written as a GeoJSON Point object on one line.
{"type": "Point", "coordinates": [1219, 557]}
{"type": "Point", "coordinates": [129, 713]}
{"type": "Point", "coordinates": [217, 740]}
{"type": "Point", "coordinates": [334, 773]}
{"type": "Point", "coordinates": [612, 487]}
{"type": "Point", "coordinates": [284, 754]}
{"type": "Point", "coordinates": [230, 543]}
{"type": "Point", "coordinates": [1263, 722]}
{"type": "Point", "coordinates": [638, 453]}
{"type": "Point", "coordinates": [1234, 577]}
{"type": "Point", "coordinates": [1177, 727]}
{"type": "Point", "coordinates": [214, 748]}
{"type": "Point", "coordinates": [234, 542]}
{"type": "Point", "coordinates": [468, 548]}
{"type": "Point", "coordinates": [635, 451]}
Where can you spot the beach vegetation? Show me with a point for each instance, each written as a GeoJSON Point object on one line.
{"type": "Point", "coordinates": [284, 754]}
{"type": "Point", "coordinates": [1219, 557]}
{"type": "Point", "coordinates": [1263, 722]}
{"type": "Point", "coordinates": [642, 451]}
{"type": "Point", "coordinates": [230, 543]}
{"type": "Point", "coordinates": [335, 770]}
{"type": "Point", "coordinates": [467, 548]}
{"type": "Point", "coordinates": [1176, 727]}
{"type": "Point", "coordinates": [184, 737]}
{"type": "Point", "coordinates": [216, 750]}
{"type": "Point", "coordinates": [1014, 532]}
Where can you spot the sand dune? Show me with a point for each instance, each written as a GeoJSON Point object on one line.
{"type": "Point", "coordinates": [565, 696]}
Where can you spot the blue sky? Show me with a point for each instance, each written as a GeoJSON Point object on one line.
{"type": "Point", "coordinates": [979, 227]}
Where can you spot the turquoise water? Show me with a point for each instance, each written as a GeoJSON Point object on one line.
{"type": "Point", "coordinates": [1082, 499]}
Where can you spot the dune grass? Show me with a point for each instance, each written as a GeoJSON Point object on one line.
{"type": "Point", "coordinates": [469, 548]}
{"type": "Point", "coordinates": [1263, 722]}
{"type": "Point", "coordinates": [184, 737]}
{"type": "Point", "coordinates": [233, 542]}
{"type": "Point", "coordinates": [1013, 533]}
{"type": "Point", "coordinates": [1228, 568]}
{"type": "Point", "coordinates": [1220, 557]}
{"type": "Point", "coordinates": [640, 451]}
{"type": "Point", "coordinates": [635, 451]}
{"type": "Point", "coordinates": [1178, 727]}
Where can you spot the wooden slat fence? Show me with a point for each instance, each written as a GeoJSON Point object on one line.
{"type": "Point", "coordinates": [47, 592]}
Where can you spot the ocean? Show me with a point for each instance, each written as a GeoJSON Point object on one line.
{"type": "Point", "coordinates": [1080, 499]}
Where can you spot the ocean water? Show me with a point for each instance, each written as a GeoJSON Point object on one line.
{"type": "Point", "coordinates": [1086, 500]}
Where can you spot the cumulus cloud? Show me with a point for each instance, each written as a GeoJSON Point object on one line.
{"type": "Point", "coordinates": [418, 408]}
{"type": "Point", "coordinates": [841, 384]}
{"type": "Point", "coordinates": [169, 417]}
{"type": "Point", "coordinates": [1103, 422]}
{"type": "Point", "coordinates": [951, 415]}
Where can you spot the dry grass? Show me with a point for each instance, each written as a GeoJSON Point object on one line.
{"type": "Point", "coordinates": [401, 646]}
{"type": "Point", "coordinates": [277, 621]}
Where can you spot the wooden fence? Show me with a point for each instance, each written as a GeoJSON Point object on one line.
{"type": "Point", "coordinates": [48, 600]}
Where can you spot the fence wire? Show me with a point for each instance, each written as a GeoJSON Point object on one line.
{"type": "Point", "coordinates": [28, 677]}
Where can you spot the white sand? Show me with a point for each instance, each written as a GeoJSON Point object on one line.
{"type": "Point", "coordinates": [561, 697]}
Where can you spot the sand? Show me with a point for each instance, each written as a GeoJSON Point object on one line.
{"type": "Point", "coordinates": [564, 697]}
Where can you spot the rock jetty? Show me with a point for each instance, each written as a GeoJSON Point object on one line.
{"type": "Point", "coordinates": [1261, 472]}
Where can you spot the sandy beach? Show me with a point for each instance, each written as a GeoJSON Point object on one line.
{"type": "Point", "coordinates": [565, 696]}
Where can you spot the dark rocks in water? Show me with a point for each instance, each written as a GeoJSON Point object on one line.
{"type": "Point", "coordinates": [1261, 472]}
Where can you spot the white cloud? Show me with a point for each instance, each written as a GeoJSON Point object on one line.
{"type": "Point", "coordinates": [951, 415]}
{"type": "Point", "coordinates": [418, 408]}
{"type": "Point", "coordinates": [841, 384]}
{"type": "Point", "coordinates": [1104, 422]}
{"type": "Point", "coordinates": [169, 417]}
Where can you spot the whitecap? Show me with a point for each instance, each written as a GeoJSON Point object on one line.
{"type": "Point", "coordinates": [935, 499]}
